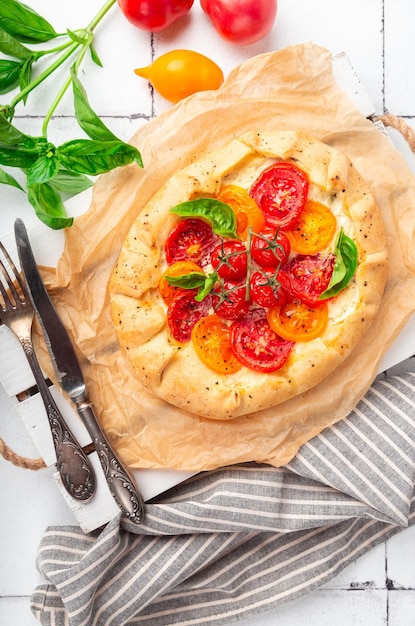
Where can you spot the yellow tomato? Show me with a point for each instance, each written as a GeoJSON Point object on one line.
{"type": "Point", "coordinates": [295, 321]}
{"type": "Point", "coordinates": [248, 214]}
{"type": "Point", "coordinates": [180, 73]}
{"type": "Point", "coordinates": [167, 291]}
{"type": "Point", "coordinates": [212, 342]}
{"type": "Point", "coordinates": [314, 229]}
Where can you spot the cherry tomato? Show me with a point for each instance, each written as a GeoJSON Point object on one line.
{"type": "Point", "coordinates": [314, 229]}
{"type": "Point", "coordinates": [183, 313]}
{"type": "Point", "coordinates": [281, 192]}
{"type": "Point", "coordinates": [180, 73]}
{"type": "Point", "coordinates": [241, 21]}
{"type": "Point", "coordinates": [308, 276]}
{"type": "Point", "coordinates": [270, 247]}
{"type": "Point", "coordinates": [255, 344]}
{"type": "Point", "coordinates": [167, 291]}
{"type": "Point", "coordinates": [229, 259]}
{"type": "Point", "coordinates": [266, 287]}
{"type": "Point", "coordinates": [295, 321]}
{"type": "Point", "coordinates": [248, 214]}
{"type": "Point", "coordinates": [229, 302]}
{"type": "Point", "coordinates": [211, 340]}
{"type": "Point", "coordinates": [155, 15]}
{"type": "Point", "coordinates": [191, 240]}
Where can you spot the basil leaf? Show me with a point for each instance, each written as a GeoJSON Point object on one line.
{"type": "Point", "coordinates": [13, 48]}
{"type": "Point", "coordinates": [9, 74]}
{"type": "Point", "coordinates": [87, 119]}
{"type": "Point", "coordinates": [7, 179]}
{"type": "Point", "coordinates": [96, 157]}
{"type": "Point", "coordinates": [94, 55]}
{"type": "Point", "coordinates": [345, 264]}
{"type": "Point", "coordinates": [70, 182]}
{"type": "Point", "coordinates": [43, 169]}
{"type": "Point", "coordinates": [217, 213]}
{"type": "Point", "coordinates": [48, 206]}
{"type": "Point", "coordinates": [195, 280]}
{"type": "Point", "coordinates": [24, 24]}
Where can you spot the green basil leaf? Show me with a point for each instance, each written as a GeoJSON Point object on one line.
{"type": "Point", "coordinates": [94, 55]}
{"type": "Point", "coordinates": [7, 179]}
{"type": "Point", "coordinates": [9, 74]}
{"type": "Point", "coordinates": [87, 119]}
{"type": "Point", "coordinates": [218, 214]}
{"type": "Point", "coordinates": [70, 183]}
{"type": "Point", "coordinates": [24, 24]}
{"type": "Point", "coordinates": [345, 264]}
{"type": "Point", "coordinates": [96, 157]}
{"type": "Point", "coordinates": [43, 169]}
{"type": "Point", "coordinates": [195, 280]}
{"type": "Point", "coordinates": [48, 206]}
{"type": "Point", "coordinates": [13, 48]}
{"type": "Point", "coordinates": [77, 37]}
{"type": "Point", "coordinates": [25, 76]}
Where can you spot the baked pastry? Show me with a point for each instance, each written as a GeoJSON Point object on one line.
{"type": "Point", "coordinates": [250, 275]}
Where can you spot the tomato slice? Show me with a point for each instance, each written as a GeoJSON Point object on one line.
{"type": "Point", "coordinates": [270, 247]}
{"type": "Point", "coordinates": [281, 192]}
{"type": "Point", "coordinates": [314, 229]}
{"type": "Point", "coordinates": [248, 214]}
{"type": "Point", "coordinates": [191, 240]}
{"type": "Point", "coordinates": [257, 346]}
{"type": "Point", "coordinates": [183, 313]}
{"type": "Point", "coordinates": [212, 342]}
{"type": "Point", "coordinates": [229, 301]}
{"type": "Point", "coordinates": [169, 292]}
{"type": "Point", "coordinates": [308, 276]}
{"type": "Point", "coordinates": [295, 321]}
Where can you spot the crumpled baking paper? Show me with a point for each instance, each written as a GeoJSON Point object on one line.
{"type": "Point", "coordinates": [293, 88]}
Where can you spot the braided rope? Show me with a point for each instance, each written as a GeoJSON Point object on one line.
{"type": "Point", "coordinates": [35, 464]}
{"type": "Point", "coordinates": [21, 461]}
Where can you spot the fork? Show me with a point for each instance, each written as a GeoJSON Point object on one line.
{"type": "Point", "coordinates": [17, 313]}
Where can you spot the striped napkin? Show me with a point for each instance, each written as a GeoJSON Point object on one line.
{"type": "Point", "coordinates": [235, 542]}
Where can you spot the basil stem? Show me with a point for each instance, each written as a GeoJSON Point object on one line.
{"type": "Point", "coordinates": [52, 170]}
{"type": "Point", "coordinates": [217, 213]}
{"type": "Point", "coordinates": [345, 264]}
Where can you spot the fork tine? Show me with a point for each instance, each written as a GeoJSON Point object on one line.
{"type": "Point", "coordinates": [9, 281]}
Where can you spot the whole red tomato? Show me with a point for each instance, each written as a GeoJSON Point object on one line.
{"type": "Point", "coordinates": [241, 21]}
{"type": "Point", "coordinates": [155, 15]}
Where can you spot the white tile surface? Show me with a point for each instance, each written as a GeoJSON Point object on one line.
{"type": "Point", "coordinates": [377, 35]}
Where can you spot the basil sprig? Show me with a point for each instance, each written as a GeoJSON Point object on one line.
{"type": "Point", "coordinates": [345, 264]}
{"type": "Point", "coordinates": [195, 280]}
{"type": "Point", "coordinates": [217, 213]}
{"type": "Point", "coordinates": [52, 172]}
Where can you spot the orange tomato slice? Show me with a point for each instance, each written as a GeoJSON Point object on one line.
{"type": "Point", "coordinates": [313, 230]}
{"type": "Point", "coordinates": [248, 214]}
{"type": "Point", "coordinates": [295, 321]}
{"type": "Point", "coordinates": [211, 340]}
{"type": "Point", "coordinates": [179, 268]}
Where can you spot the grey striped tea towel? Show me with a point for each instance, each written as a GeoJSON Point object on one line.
{"type": "Point", "coordinates": [230, 543]}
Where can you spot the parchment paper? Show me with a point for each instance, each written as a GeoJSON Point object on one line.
{"type": "Point", "coordinates": [289, 89]}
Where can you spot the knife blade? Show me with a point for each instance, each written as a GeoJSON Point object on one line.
{"type": "Point", "coordinates": [69, 376]}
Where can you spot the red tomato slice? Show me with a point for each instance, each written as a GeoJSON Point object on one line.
{"type": "Point", "coordinates": [256, 345]}
{"type": "Point", "coordinates": [231, 302]}
{"type": "Point", "coordinates": [309, 275]}
{"type": "Point", "coordinates": [183, 313]}
{"type": "Point", "coordinates": [212, 343]}
{"type": "Point", "coordinates": [270, 247]}
{"type": "Point", "coordinates": [295, 321]}
{"type": "Point", "coordinates": [281, 192]}
{"type": "Point", "coordinates": [230, 260]}
{"type": "Point", "coordinates": [191, 240]}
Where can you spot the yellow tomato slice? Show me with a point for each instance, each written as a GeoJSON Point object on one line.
{"type": "Point", "coordinates": [314, 229]}
{"type": "Point", "coordinates": [295, 321]}
{"type": "Point", "coordinates": [248, 214]}
{"type": "Point", "coordinates": [179, 268]}
{"type": "Point", "coordinates": [211, 340]}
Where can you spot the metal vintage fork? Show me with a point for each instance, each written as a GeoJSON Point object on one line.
{"type": "Point", "coordinates": [17, 313]}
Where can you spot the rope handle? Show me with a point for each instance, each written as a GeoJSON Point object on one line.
{"type": "Point", "coordinates": [387, 120]}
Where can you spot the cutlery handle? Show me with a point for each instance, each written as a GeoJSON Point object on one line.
{"type": "Point", "coordinates": [73, 464]}
{"type": "Point", "coordinates": [118, 479]}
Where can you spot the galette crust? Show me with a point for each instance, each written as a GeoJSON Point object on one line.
{"type": "Point", "coordinates": [173, 371]}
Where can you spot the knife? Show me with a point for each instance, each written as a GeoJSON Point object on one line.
{"type": "Point", "coordinates": [70, 378]}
